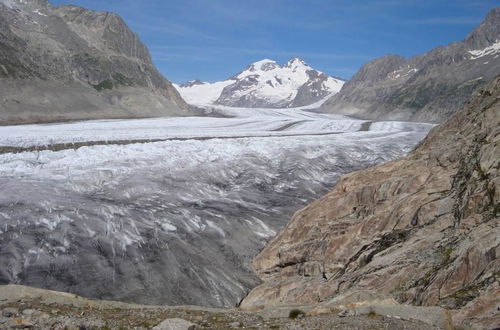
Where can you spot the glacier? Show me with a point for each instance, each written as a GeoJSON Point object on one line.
{"type": "Point", "coordinates": [171, 210]}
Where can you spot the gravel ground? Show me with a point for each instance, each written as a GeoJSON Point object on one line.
{"type": "Point", "coordinates": [24, 307]}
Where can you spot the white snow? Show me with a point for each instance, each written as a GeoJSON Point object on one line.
{"type": "Point", "coordinates": [262, 65]}
{"type": "Point", "coordinates": [207, 93]}
{"type": "Point", "coordinates": [490, 50]}
{"type": "Point", "coordinates": [98, 163]}
{"type": "Point", "coordinates": [266, 80]}
{"type": "Point", "coordinates": [244, 123]}
{"type": "Point", "coordinates": [37, 11]}
{"type": "Point", "coordinates": [168, 227]}
{"type": "Point", "coordinates": [254, 122]}
{"type": "Point", "coordinates": [403, 72]}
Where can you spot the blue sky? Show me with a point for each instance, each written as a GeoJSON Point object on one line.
{"type": "Point", "coordinates": [214, 39]}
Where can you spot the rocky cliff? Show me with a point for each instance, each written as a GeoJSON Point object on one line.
{"type": "Point", "coordinates": [422, 230]}
{"type": "Point", "coordinates": [427, 87]}
{"type": "Point", "coordinates": [64, 63]}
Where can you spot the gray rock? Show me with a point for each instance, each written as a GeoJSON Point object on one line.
{"type": "Point", "coordinates": [9, 312]}
{"type": "Point", "coordinates": [175, 324]}
{"type": "Point", "coordinates": [428, 87]}
{"type": "Point", "coordinates": [29, 312]}
{"type": "Point", "coordinates": [191, 83]}
{"type": "Point", "coordinates": [67, 62]}
{"type": "Point", "coordinates": [346, 312]}
{"type": "Point", "coordinates": [435, 316]}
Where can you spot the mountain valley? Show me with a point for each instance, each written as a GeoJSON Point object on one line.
{"type": "Point", "coordinates": [279, 198]}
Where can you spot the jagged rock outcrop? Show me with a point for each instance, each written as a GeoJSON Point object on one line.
{"type": "Point", "coordinates": [423, 230]}
{"type": "Point", "coordinates": [427, 87]}
{"type": "Point", "coordinates": [67, 62]}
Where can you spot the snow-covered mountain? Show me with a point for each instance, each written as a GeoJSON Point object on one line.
{"type": "Point", "coordinates": [265, 84]}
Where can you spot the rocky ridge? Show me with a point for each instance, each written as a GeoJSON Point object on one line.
{"type": "Point", "coordinates": [428, 87]}
{"type": "Point", "coordinates": [67, 62]}
{"type": "Point", "coordinates": [423, 230]}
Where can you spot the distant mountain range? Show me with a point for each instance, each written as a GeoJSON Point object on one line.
{"type": "Point", "coordinates": [265, 84]}
{"type": "Point", "coordinates": [427, 87]}
{"type": "Point", "coordinates": [67, 63]}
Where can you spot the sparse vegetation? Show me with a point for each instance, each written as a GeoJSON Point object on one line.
{"type": "Point", "coordinates": [106, 84]}
{"type": "Point", "coordinates": [296, 314]}
{"type": "Point", "coordinates": [117, 79]}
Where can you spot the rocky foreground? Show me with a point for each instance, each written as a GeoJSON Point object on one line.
{"type": "Point", "coordinates": [23, 307]}
{"type": "Point", "coordinates": [423, 230]}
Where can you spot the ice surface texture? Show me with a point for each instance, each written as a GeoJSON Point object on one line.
{"type": "Point", "coordinates": [171, 222]}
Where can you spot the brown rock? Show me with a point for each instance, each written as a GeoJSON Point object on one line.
{"type": "Point", "coordinates": [424, 230]}
{"type": "Point", "coordinates": [20, 324]}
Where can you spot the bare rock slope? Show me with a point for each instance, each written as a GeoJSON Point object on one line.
{"type": "Point", "coordinates": [428, 87]}
{"type": "Point", "coordinates": [67, 62]}
{"type": "Point", "coordinates": [423, 230]}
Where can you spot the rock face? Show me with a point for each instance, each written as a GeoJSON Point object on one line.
{"type": "Point", "coordinates": [428, 87]}
{"type": "Point", "coordinates": [64, 63]}
{"type": "Point", "coordinates": [423, 230]}
{"type": "Point", "coordinates": [265, 84]}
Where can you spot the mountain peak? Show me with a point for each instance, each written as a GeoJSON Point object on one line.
{"type": "Point", "coordinates": [192, 83]}
{"type": "Point", "coordinates": [493, 15]}
{"type": "Point", "coordinates": [296, 62]}
{"type": "Point", "coordinates": [487, 33]}
{"type": "Point", "coordinates": [263, 65]}
{"type": "Point", "coordinates": [265, 83]}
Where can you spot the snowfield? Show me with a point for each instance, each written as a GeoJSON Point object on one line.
{"type": "Point", "coordinates": [256, 122]}
{"type": "Point", "coordinates": [204, 93]}
{"type": "Point", "coordinates": [490, 50]}
{"type": "Point", "coordinates": [175, 221]}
